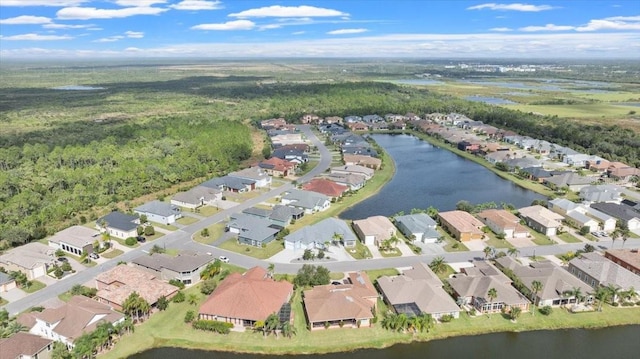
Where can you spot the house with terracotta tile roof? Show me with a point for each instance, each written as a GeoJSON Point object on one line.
{"type": "Point", "coordinates": [23, 345]}
{"type": "Point", "coordinates": [277, 167]}
{"type": "Point", "coordinates": [80, 315]}
{"type": "Point", "coordinates": [462, 225]}
{"type": "Point", "coordinates": [350, 305]}
{"type": "Point", "coordinates": [184, 267]}
{"type": "Point", "coordinates": [374, 230]}
{"type": "Point", "coordinates": [541, 219]}
{"type": "Point", "coordinates": [243, 299]}
{"type": "Point", "coordinates": [325, 187]}
{"type": "Point", "coordinates": [116, 285]}
{"type": "Point", "coordinates": [626, 258]}
{"type": "Point", "coordinates": [502, 221]}
{"type": "Point", "coordinates": [472, 288]}
{"type": "Point", "coordinates": [416, 291]}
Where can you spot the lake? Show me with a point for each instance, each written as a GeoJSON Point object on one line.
{"type": "Point", "coordinates": [427, 82]}
{"type": "Point", "coordinates": [427, 175]}
{"type": "Point", "coordinates": [614, 342]}
{"type": "Point", "coordinates": [77, 88]}
{"type": "Point", "coordinates": [490, 100]}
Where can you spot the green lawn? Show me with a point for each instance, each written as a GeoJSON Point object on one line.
{"type": "Point", "coordinates": [168, 227]}
{"type": "Point", "coordinates": [591, 237]}
{"type": "Point", "coordinates": [374, 274]}
{"type": "Point", "coordinates": [114, 252]}
{"type": "Point", "coordinates": [360, 251]}
{"type": "Point", "coordinates": [207, 211]}
{"type": "Point", "coordinates": [256, 252]}
{"type": "Point", "coordinates": [540, 239]}
{"type": "Point", "coordinates": [497, 243]}
{"type": "Point", "coordinates": [444, 275]}
{"type": "Point", "coordinates": [568, 238]}
{"type": "Point", "coordinates": [395, 252]}
{"type": "Point", "coordinates": [598, 110]}
{"type": "Point", "coordinates": [215, 232]}
{"type": "Point", "coordinates": [35, 286]}
{"type": "Point", "coordinates": [122, 242]}
{"type": "Point", "coordinates": [187, 220]}
{"type": "Point", "coordinates": [452, 245]}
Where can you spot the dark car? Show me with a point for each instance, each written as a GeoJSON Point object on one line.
{"type": "Point", "coordinates": [62, 259]}
{"type": "Point", "coordinates": [141, 239]}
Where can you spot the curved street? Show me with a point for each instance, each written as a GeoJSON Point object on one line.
{"type": "Point", "coordinates": [181, 239]}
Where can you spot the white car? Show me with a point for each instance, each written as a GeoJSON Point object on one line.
{"type": "Point", "coordinates": [223, 259]}
{"type": "Point", "coordinates": [94, 256]}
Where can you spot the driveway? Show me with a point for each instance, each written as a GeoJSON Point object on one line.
{"type": "Point", "coordinates": [521, 242]}
{"type": "Point", "coordinates": [476, 245]}
{"type": "Point", "coordinates": [431, 248]}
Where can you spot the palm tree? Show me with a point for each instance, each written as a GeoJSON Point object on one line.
{"type": "Point", "coordinates": [288, 330]}
{"type": "Point", "coordinates": [514, 313]}
{"type": "Point", "coordinates": [615, 235]}
{"type": "Point", "coordinates": [271, 269]}
{"type": "Point", "coordinates": [425, 321]}
{"type": "Point", "coordinates": [337, 238]}
{"type": "Point", "coordinates": [614, 292]}
{"type": "Point", "coordinates": [492, 294]}
{"type": "Point", "coordinates": [402, 322]}
{"type": "Point", "coordinates": [211, 270]}
{"type": "Point", "coordinates": [488, 252]}
{"type": "Point", "coordinates": [536, 287]}
{"type": "Point", "coordinates": [192, 299]}
{"type": "Point", "coordinates": [513, 252]}
{"type": "Point", "coordinates": [576, 292]}
{"type": "Point", "coordinates": [393, 241]}
{"type": "Point", "coordinates": [601, 295]}
{"type": "Point", "coordinates": [629, 294]}
{"type": "Point", "coordinates": [272, 323]}
{"type": "Point", "coordinates": [438, 265]}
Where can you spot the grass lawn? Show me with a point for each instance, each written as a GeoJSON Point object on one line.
{"type": "Point", "coordinates": [187, 220]}
{"type": "Point", "coordinates": [215, 232]}
{"type": "Point", "coordinates": [167, 329]}
{"type": "Point", "coordinates": [88, 263]}
{"type": "Point", "coordinates": [35, 286]}
{"type": "Point", "coordinates": [3, 301]}
{"type": "Point", "coordinates": [444, 275]}
{"type": "Point", "coordinates": [360, 251]}
{"type": "Point", "coordinates": [270, 250]}
{"type": "Point", "coordinates": [394, 252]}
{"type": "Point", "coordinates": [452, 245]}
{"type": "Point", "coordinates": [336, 275]}
{"type": "Point", "coordinates": [114, 252]}
{"type": "Point", "coordinates": [568, 238]}
{"type": "Point", "coordinates": [207, 211]}
{"type": "Point", "coordinates": [154, 236]}
{"type": "Point", "coordinates": [591, 237]}
{"type": "Point", "coordinates": [497, 243]}
{"type": "Point", "coordinates": [374, 274]}
{"type": "Point", "coordinates": [540, 239]}
{"type": "Point", "coordinates": [65, 297]}
{"type": "Point", "coordinates": [122, 242]}
{"type": "Point", "coordinates": [168, 227]}
{"type": "Point", "coordinates": [577, 111]}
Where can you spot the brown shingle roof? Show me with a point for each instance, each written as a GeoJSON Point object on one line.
{"type": "Point", "coordinates": [123, 280]}
{"type": "Point", "coordinates": [378, 226]}
{"type": "Point", "coordinates": [250, 296]}
{"type": "Point", "coordinates": [341, 302]}
{"type": "Point", "coordinates": [22, 344]}
{"type": "Point", "coordinates": [462, 221]}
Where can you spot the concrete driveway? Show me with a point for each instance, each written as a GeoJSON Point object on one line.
{"type": "Point", "coordinates": [476, 245]}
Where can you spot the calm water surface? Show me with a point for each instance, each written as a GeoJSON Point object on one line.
{"type": "Point", "coordinates": [607, 343]}
{"type": "Point", "coordinates": [431, 176]}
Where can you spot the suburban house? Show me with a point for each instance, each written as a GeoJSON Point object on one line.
{"type": "Point", "coordinates": [366, 161]}
{"type": "Point", "coordinates": [275, 166]}
{"type": "Point", "coordinates": [291, 154]}
{"type": "Point", "coordinates": [571, 180]}
{"type": "Point", "coordinates": [626, 214]}
{"type": "Point", "coordinates": [23, 345]}
{"type": "Point", "coordinates": [33, 259]}
{"type": "Point", "coordinates": [279, 215]}
{"type": "Point", "coordinates": [350, 305]}
{"type": "Point", "coordinates": [462, 225]}
{"type": "Point", "coordinates": [505, 222]}
{"type": "Point", "coordinates": [116, 285]}
{"type": "Point", "coordinates": [260, 176]}
{"type": "Point", "coordinates": [419, 226]}
{"type": "Point", "coordinates": [581, 216]}
{"type": "Point", "coordinates": [243, 299]}
{"type": "Point", "coordinates": [623, 174]}
{"type": "Point", "coordinates": [558, 285]}
{"type": "Point", "coordinates": [353, 181]}
{"type": "Point", "coordinates": [374, 230]}
{"type": "Point", "coordinates": [601, 193]}
{"type": "Point", "coordinates": [326, 187]}
{"type": "Point", "coordinates": [286, 139]}
{"type": "Point", "coordinates": [318, 235]}
{"type": "Point", "coordinates": [197, 197]}
{"type": "Point", "coordinates": [596, 270]}
{"type": "Point", "coordinates": [231, 184]}
{"type": "Point", "coordinates": [252, 230]}
{"type": "Point", "coordinates": [354, 169]}
{"type": "Point", "coordinates": [308, 201]}
{"type": "Point", "coordinates": [273, 123]}
{"type": "Point", "coordinates": [160, 212]}
{"type": "Point", "coordinates": [472, 288]}
{"type": "Point", "coordinates": [118, 224]}
{"type": "Point", "coordinates": [70, 321]}
{"type": "Point", "coordinates": [75, 240]}
{"type": "Point", "coordinates": [626, 258]}
{"type": "Point", "coordinates": [541, 219]}
{"type": "Point", "coordinates": [6, 283]}
{"type": "Point", "coordinates": [417, 290]}
{"type": "Point", "coordinates": [185, 267]}
{"type": "Point", "coordinates": [522, 162]}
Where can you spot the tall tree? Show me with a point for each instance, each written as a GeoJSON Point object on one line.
{"type": "Point", "coordinates": [536, 287]}
{"type": "Point", "coordinates": [492, 294]}
{"type": "Point", "coordinates": [438, 265]}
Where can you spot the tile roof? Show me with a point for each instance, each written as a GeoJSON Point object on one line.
{"type": "Point", "coordinates": [30, 255]}
{"type": "Point", "coordinates": [502, 218]}
{"type": "Point", "coordinates": [605, 271]}
{"type": "Point", "coordinates": [159, 208]}
{"type": "Point", "coordinates": [277, 164]}
{"type": "Point", "coordinates": [378, 226]}
{"type": "Point", "coordinates": [123, 280]}
{"type": "Point", "coordinates": [462, 221]}
{"type": "Point", "coordinates": [249, 296]}
{"type": "Point", "coordinates": [77, 236]}
{"type": "Point", "coordinates": [326, 187]}
{"type": "Point", "coordinates": [185, 261]}
{"type": "Point", "coordinates": [119, 220]}
{"type": "Point", "coordinates": [21, 345]}
{"type": "Point", "coordinates": [541, 215]}
{"type": "Point", "coordinates": [631, 256]}
{"type": "Point", "coordinates": [353, 300]}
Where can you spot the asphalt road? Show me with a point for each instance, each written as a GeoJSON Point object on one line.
{"type": "Point", "coordinates": [181, 239]}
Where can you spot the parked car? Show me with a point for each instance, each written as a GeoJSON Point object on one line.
{"type": "Point", "coordinates": [94, 256]}
{"type": "Point", "coordinates": [63, 259]}
{"type": "Point", "coordinates": [141, 239]}
{"type": "Point", "coordinates": [223, 259]}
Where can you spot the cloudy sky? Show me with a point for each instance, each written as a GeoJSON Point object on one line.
{"type": "Point", "coordinates": [328, 28]}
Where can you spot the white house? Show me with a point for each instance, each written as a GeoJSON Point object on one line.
{"type": "Point", "coordinates": [257, 174]}
{"type": "Point", "coordinates": [118, 225]}
{"type": "Point", "coordinates": [159, 212]}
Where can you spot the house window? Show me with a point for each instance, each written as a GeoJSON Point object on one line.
{"type": "Point", "coordinates": [593, 282]}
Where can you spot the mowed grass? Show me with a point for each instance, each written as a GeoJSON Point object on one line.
{"type": "Point", "coordinates": [568, 238]}
{"type": "Point", "coordinates": [577, 111]}
{"type": "Point", "coordinates": [215, 232]}
{"type": "Point", "coordinates": [167, 329]}
{"type": "Point", "coordinates": [271, 249]}
{"type": "Point", "coordinates": [187, 220]}
{"type": "Point", "coordinates": [35, 286]}
{"type": "Point", "coordinates": [114, 252]}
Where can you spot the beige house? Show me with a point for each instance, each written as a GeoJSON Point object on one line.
{"type": "Point", "coordinates": [117, 284]}
{"type": "Point", "coordinates": [23, 345]}
{"type": "Point", "coordinates": [462, 225]}
{"type": "Point", "coordinates": [502, 221]}
{"type": "Point", "coordinates": [362, 160]}
{"type": "Point", "coordinates": [541, 219]}
{"type": "Point", "coordinates": [75, 240]}
{"type": "Point", "coordinates": [33, 259]}
{"type": "Point", "coordinates": [374, 230]}
{"type": "Point", "coordinates": [197, 197]}
{"type": "Point", "coordinates": [354, 169]}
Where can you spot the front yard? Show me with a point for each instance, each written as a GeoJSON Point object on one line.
{"type": "Point", "coordinates": [360, 251]}
{"type": "Point", "coordinates": [35, 286]}
{"type": "Point", "coordinates": [270, 250]}
{"type": "Point", "coordinates": [451, 244]}
{"type": "Point", "coordinates": [215, 231]}
{"type": "Point", "coordinates": [568, 238]}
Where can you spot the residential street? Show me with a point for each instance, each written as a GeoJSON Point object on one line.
{"type": "Point", "coordinates": [181, 239]}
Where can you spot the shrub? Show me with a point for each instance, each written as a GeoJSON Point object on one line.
{"type": "Point", "coordinates": [36, 309]}
{"type": "Point", "coordinates": [472, 312]}
{"type": "Point", "coordinates": [177, 283]}
{"type": "Point", "coordinates": [66, 266]}
{"type": "Point", "coordinates": [212, 326]}
{"type": "Point", "coordinates": [208, 286]}
{"type": "Point", "coordinates": [130, 241]}
{"type": "Point", "coordinates": [628, 304]}
{"type": "Point", "coordinates": [178, 298]}
{"type": "Point", "coordinates": [446, 318]}
{"type": "Point", "coordinates": [638, 302]}
{"type": "Point", "coordinates": [189, 316]}
{"type": "Point", "coordinates": [140, 230]}
{"type": "Point", "coordinates": [546, 310]}
{"type": "Point", "coordinates": [58, 272]}
{"type": "Point", "coordinates": [615, 304]}
{"type": "Point", "coordinates": [320, 254]}
{"type": "Point", "coordinates": [149, 231]}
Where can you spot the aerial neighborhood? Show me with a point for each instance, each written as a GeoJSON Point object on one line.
{"type": "Point", "coordinates": [298, 224]}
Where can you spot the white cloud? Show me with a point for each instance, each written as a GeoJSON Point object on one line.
{"type": "Point", "coordinates": [346, 31]}
{"type": "Point", "coordinates": [110, 39]}
{"type": "Point", "coordinates": [85, 13]}
{"type": "Point", "coordinates": [288, 11]}
{"type": "Point", "coordinates": [604, 24]}
{"type": "Point", "coordinates": [67, 26]}
{"type": "Point", "coordinates": [298, 33]}
{"type": "Point", "coordinates": [57, 3]}
{"type": "Point", "coordinates": [547, 27]}
{"type": "Point", "coordinates": [511, 7]}
{"type": "Point", "coordinates": [271, 26]}
{"type": "Point", "coordinates": [35, 37]}
{"type": "Point", "coordinates": [139, 3]}
{"type": "Point", "coordinates": [134, 34]}
{"type": "Point", "coordinates": [500, 29]}
{"type": "Point", "coordinates": [623, 18]}
{"type": "Point", "coordinates": [197, 5]}
{"type": "Point", "coordinates": [25, 20]}
{"type": "Point", "coordinates": [227, 26]}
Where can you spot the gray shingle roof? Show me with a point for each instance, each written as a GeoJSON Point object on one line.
{"type": "Point", "coordinates": [322, 232]}
{"type": "Point", "coordinates": [619, 211]}
{"type": "Point", "coordinates": [225, 182]}
{"type": "Point", "coordinates": [159, 208]}
{"type": "Point", "coordinates": [306, 199]}
{"type": "Point", "coordinates": [419, 222]}
{"type": "Point", "coordinates": [118, 220]}
{"type": "Point", "coordinates": [4, 278]}
{"type": "Point", "coordinates": [252, 227]}
{"type": "Point", "coordinates": [605, 271]}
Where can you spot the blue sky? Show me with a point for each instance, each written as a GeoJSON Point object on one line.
{"type": "Point", "coordinates": [330, 28]}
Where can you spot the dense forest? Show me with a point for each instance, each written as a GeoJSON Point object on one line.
{"type": "Point", "coordinates": [63, 153]}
